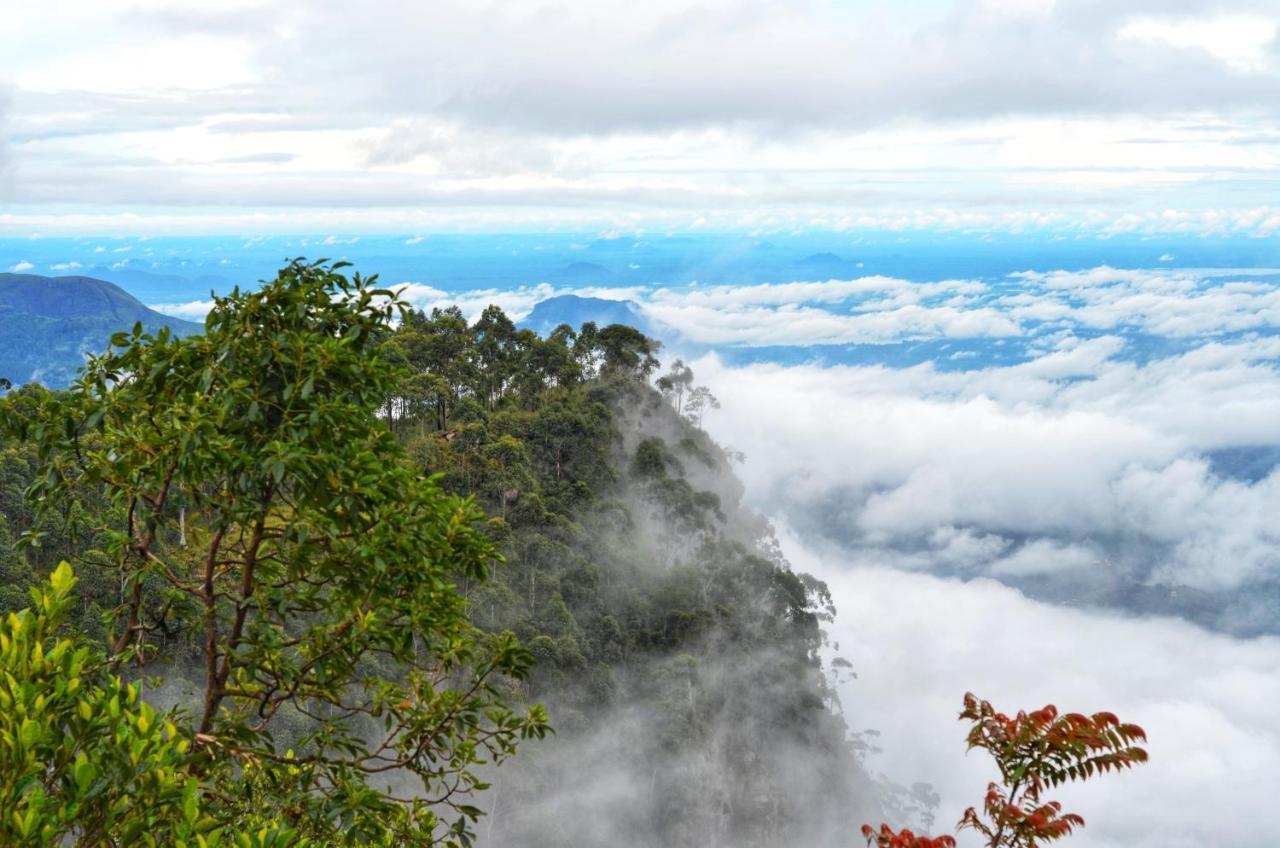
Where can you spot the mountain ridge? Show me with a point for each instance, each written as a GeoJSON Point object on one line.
{"type": "Point", "coordinates": [48, 325]}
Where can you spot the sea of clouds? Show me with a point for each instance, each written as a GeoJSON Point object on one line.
{"type": "Point", "coordinates": [1092, 525]}
{"type": "Point", "coordinates": [1035, 308]}
{"type": "Point", "coordinates": [1071, 497]}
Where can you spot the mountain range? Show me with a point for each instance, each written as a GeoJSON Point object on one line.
{"type": "Point", "coordinates": [48, 325]}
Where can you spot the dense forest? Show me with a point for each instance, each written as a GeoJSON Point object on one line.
{"type": "Point", "coordinates": [676, 649]}
{"type": "Point", "coordinates": [51, 324]}
{"type": "Point", "coordinates": [614, 575]}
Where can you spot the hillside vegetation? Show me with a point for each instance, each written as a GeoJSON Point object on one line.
{"type": "Point", "coordinates": [676, 651]}
{"type": "Point", "coordinates": [52, 324]}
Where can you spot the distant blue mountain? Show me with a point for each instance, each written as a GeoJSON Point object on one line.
{"type": "Point", "coordinates": [821, 259]}
{"type": "Point", "coordinates": [826, 265]}
{"type": "Point", "coordinates": [48, 325]}
{"type": "Point", "coordinates": [575, 311]}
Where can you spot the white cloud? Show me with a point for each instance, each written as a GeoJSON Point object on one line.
{"type": "Point", "coordinates": [21, 267]}
{"type": "Point", "coordinates": [1070, 462]}
{"type": "Point", "coordinates": [64, 266]}
{"type": "Point", "coordinates": [1241, 41]}
{"type": "Point", "coordinates": [1167, 303]}
{"type": "Point", "coordinates": [918, 643]}
{"type": "Point", "coordinates": [194, 310]}
{"type": "Point", "coordinates": [1045, 556]}
{"type": "Point", "coordinates": [791, 324]}
{"type": "Point", "coordinates": [754, 112]}
{"type": "Point", "coordinates": [1184, 304]}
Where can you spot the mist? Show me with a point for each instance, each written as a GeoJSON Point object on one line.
{"type": "Point", "coordinates": [1079, 529]}
{"type": "Point", "coordinates": [1207, 701]}
{"type": "Point", "coordinates": [734, 739]}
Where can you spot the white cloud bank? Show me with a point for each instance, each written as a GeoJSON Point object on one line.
{"type": "Point", "coordinates": [916, 493]}
{"type": "Point", "coordinates": [194, 310]}
{"type": "Point", "coordinates": [919, 642]}
{"type": "Point", "coordinates": [1075, 464]}
{"type": "Point", "coordinates": [1171, 303]}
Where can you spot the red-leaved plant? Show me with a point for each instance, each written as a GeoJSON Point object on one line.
{"type": "Point", "coordinates": [886, 838]}
{"type": "Point", "coordinates": [1033, 751]}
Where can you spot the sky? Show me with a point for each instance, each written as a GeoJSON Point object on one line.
{"type": "Point", "coordinates": [989, 291]}
{"type": "Point", "coordinates": [251, 116]}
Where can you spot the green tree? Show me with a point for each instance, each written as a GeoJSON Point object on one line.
{"type": "Point", "coordinates": [270, 518]}
{"type": "Point", "coordinates": [640, 583]}
{"type": "Point", "coordinates": [436, 349]}
{"type": "Point", "coordinates": [493, 337]}
{"type": "Point", "coordinates": [83, 759]}
{"type": "Point", "coordinates": [676, 383]}
{"type": "Point", "coordinates": [626, 350]}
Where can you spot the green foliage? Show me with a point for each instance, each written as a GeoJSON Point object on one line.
{"type": "Point", "coordinates": [638, 581]}
{"type": "Point", "coordinates": [268, 523]}
{"type": "Point", "coordinates": [286, 518]}
{"type": "Point", "coordinates": [83, 759]}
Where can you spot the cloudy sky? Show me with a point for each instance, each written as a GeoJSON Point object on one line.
{"type": "Point", "coordinates": [252, 115]}
{"type": "Point", "coordinates": [1070, 495]}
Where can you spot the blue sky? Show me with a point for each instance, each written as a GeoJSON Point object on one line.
{"type": "Point", "coordinates": [256, 116]}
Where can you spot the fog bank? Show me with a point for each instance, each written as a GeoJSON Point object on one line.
{"type": "Point", "coordinates": [919, 642]}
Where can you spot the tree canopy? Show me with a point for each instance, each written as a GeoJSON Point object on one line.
{"type": "Point", "coordinates": [263, 522]}
{"type": "Point", "coordinates": [346, 548]}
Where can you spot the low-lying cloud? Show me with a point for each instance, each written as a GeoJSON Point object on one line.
{"type": "Point", "coordinates": [1077, 475]}
{"type": "Point", "coordinates": [919, 642]}
{"type": "Point", "coordinates": [1063, 318]}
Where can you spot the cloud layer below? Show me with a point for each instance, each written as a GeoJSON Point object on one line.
{"type": "Point", "coordinates": [919, 642]}
{"type": "Point", "coordinates": [1076, 475]}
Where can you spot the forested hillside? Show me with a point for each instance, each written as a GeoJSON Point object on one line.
{"type": "Point", "coordinates": [48, 325]}
{"type": "Point", "coordinates": [675, 649]}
